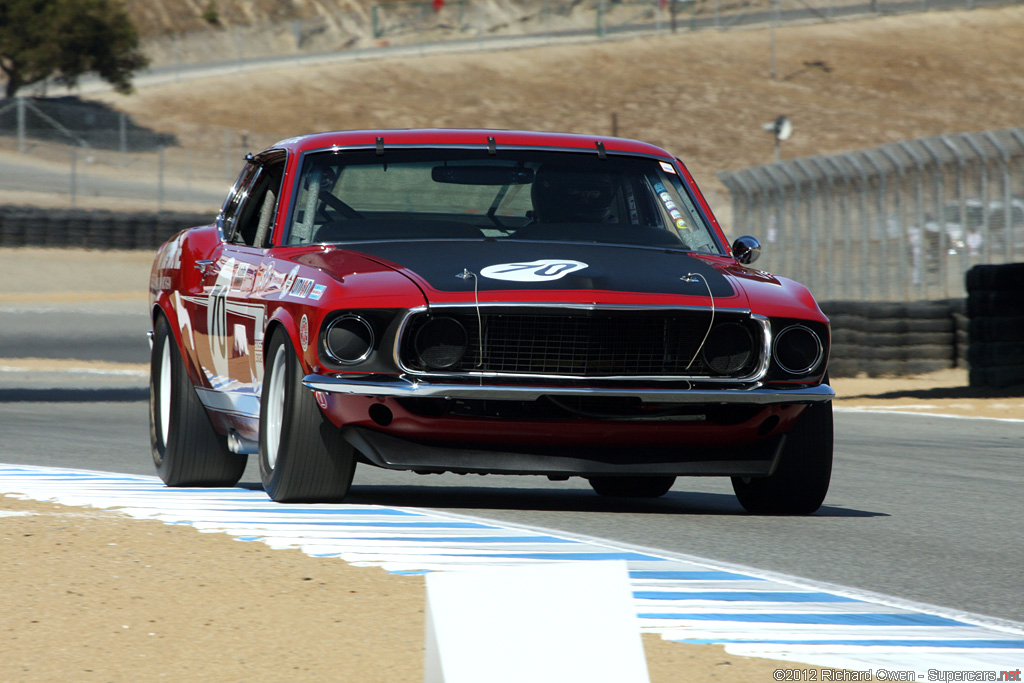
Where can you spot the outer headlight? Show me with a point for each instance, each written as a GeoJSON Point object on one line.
{"type": "Point", "coordinates": [441, 343]}
{"type": "Point", "coordinates": [728, 348]}
{"type": "Point", "coordinates": [349, 339]}
{"type": "Point", "coordinates": [798, 349]}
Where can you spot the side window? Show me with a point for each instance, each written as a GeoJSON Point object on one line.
{"type": "Point", "coordinates": [252, 221]}
{"type": "Point", "coordinates": [236, 197]}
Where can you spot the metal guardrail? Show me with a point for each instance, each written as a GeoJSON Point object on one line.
{"type": "Point", "coordinates": [901, 222]}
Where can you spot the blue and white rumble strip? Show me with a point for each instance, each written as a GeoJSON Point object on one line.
{"type": "Point", "coordinates": [685, 599]}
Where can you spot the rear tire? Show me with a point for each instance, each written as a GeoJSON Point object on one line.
{"type": "Point", "coordinates": [800, 481]}
{"type": "Point", "coordinates": [632, 487]}
{"type": "Point", "coordinates": [303, 458]}
{"type": "Point", "coordinates": [187, 450]}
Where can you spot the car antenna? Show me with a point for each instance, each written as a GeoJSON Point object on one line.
{"type": "Point", "coordinates": [601, 154]}
{"type": "Point", "coordinates": [465, 275]}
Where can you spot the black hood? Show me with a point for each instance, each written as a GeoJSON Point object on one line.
{"type": "Point", "coordinates": [522, 265]}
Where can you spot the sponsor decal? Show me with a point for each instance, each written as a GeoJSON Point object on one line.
{"type": "Point", "coordinates": [276, 282]}
{"type": "Point", "coordinates": [301, 287]}
{"type": "Point", "coordinates": [670, 206]}
{"type": "Point", "coordinates": [541, 270]}
{"type": "Point", "coordinates": [157, 283]}
{"type": "Point", "coordinates": [264, 277]}
{"type": "Point", "coordinates": [668, 168]}
{"type": "Point", "coordinates": [170, 256]}
{"type": "Point", "coordinates": [304, 333]}
{"type": "Point", "coordinates": [321, 399]}
{"type": "Point", "coordinates": [248, 280]}
{"type": "Point", "coordinates": [318, 291]}
{"type": "Point", "coordinates": [289, 281]}
{"type": "Point", "coordinates": [239, 277]}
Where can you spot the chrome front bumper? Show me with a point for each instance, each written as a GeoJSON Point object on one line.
{"type": "Point", "coordinates": [404, 387]}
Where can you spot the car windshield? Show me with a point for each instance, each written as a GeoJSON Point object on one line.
{"type": "Point", "coordinates": [346, 196]}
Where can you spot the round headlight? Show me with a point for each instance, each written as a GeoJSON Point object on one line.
{"type": "Point", "coordinates": [441, 343]}
{"type": "Point", "coordinates": [349, 339]}
{"type": "Point", "coordinates": [728, 348]}
{"type": "Point", "coordinates": [798, 349]}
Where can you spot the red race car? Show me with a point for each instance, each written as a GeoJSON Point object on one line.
{"type": "Point", "coordinates": [478, 301]}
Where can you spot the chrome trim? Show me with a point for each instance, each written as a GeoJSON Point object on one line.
{"type": "Point", "coordinates": [817, 358]}
{"type": "Point", "coordinates": [757, 375]}
{"type": "Point", "coordinates": [746, 249]}
{"type": "Point", "coordinates": [405, 387]}
{"type": "Point", "coordinates": [369, 349]}
{"type": "Point", "coordinates": [240, 445]}
{"type": "Point", "coordinates": [244, 404]}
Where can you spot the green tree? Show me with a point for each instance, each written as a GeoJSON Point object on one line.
{"type": "Point", "coordinates": [65, 39]}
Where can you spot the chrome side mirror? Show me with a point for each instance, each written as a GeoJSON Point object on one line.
{"type": "Point", "coordinates": [746, 249]}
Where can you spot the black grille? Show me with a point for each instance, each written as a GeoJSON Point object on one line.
{"type": "Point", "coordinates": [583, 343]}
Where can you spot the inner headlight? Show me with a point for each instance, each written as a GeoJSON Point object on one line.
{"type": "Point", "coordinates": [441, 343]}
{"type": "Point", "coordinates": [349, 339]}
{"type": "Point", "coordinates": [728, 348]}
{"type": "Point", "coordinates": [798, 349]}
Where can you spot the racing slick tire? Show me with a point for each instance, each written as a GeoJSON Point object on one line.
{"type": "Point", "coordinates": [632, 487]}
{"type": "Point", "coordinates": [801, 478]}
{"type": "Point", "coordinates": [303, 457]}
{"type": "Point", "coordinates": [187, 450]}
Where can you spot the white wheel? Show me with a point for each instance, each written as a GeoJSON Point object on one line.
{"type": "Point", "coordinates": [187, 450]}
{"type": "Point", "coordinates": [274, 398]}
{"type": "Point", "coordinates": [165, 389]}
{"type": "Point", "coordinates": [303, 458]}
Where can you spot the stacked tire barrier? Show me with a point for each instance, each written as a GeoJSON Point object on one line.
{"type": "Point", "coordinates": [995, 305]}
{"type": "Point", "coordinates": [25, 226]}
{"type": "Point", "coordinates": [896, 338]}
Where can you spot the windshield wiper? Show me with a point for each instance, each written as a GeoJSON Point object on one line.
{"type": "Point", "coordinates": [494, 207]}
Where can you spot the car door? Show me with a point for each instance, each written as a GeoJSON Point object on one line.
{"type": "Point", "coordinates": [234, 321]}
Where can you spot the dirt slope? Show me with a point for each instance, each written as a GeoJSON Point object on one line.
{"type": "Point", "coordinates": [704, 96]}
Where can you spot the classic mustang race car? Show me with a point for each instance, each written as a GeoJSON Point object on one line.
{"type": "Point", "coordinates": [477, 301]}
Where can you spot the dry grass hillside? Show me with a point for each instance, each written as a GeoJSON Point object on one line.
{"type": "Point", "coordinates": [159, 17]}
{"type": "Point", "coordinates": [704, 96]}
{"type": "Point", "coordinates": [176, 31]}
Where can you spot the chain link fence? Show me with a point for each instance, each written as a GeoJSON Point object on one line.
{"type": "Point", "coordinates": [76, 153]}
{"type": "Point", "coordinates": [900, 222]}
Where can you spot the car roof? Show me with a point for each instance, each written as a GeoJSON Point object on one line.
{"type": "Point", "coordinates": [444, 137]}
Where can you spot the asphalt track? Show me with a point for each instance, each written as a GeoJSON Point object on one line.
{"type": "Point", "coordinates": [923, 508]}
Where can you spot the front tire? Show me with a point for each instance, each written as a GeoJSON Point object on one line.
{"type": "Point", "coordinates": [303, 458]}
{"type": "Point", "coordinates": [187, 450]}
{"type": "Point", "coordinates": [801, 479]}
